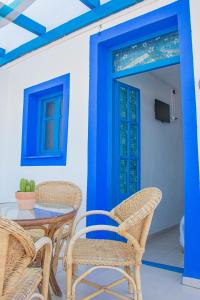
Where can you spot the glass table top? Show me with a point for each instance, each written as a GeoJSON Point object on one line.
{"type": "Point", "coordinates": [10, 210]}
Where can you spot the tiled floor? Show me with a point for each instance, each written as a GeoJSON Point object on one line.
{"type": "Point", "coordinates": [157, 284]}
{"type": "Point", "coordinates": [165, 248]}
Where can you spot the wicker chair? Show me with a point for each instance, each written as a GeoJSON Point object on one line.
{"type": "Point", "coordinates": [60, 192]}
{"type": "Point", "coordinates": [134, 217]}
{"type": "Point", "coordinates": [18, 281]}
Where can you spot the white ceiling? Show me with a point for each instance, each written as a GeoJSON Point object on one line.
{"type": "Point", "coordinates": [169, 75]}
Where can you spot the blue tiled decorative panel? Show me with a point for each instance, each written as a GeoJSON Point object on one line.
{"type": "Point", "coordinates": [127, 139]}
{"type": "Point", "coordinates": [152, 50]}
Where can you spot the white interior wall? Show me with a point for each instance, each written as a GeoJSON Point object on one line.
{"type": "Point", "coordinates": [161, 148]}
{"type": "Point", "coordinates": [68, 55]}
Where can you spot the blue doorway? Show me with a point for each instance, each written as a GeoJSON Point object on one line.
{"type": "Point", "coordinates": [100, 115]}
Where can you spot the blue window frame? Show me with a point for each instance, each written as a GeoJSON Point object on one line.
{"type": "Point", "coordinates": [45, 123]}
{"type": "Point", "coordinates": [50, 125]}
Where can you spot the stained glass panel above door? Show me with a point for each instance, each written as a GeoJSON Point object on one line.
{"type": "Point", "coordinates": [155, 49]}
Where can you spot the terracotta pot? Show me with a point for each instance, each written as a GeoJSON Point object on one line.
{"type": "Point", "coordinates": [26, 200]}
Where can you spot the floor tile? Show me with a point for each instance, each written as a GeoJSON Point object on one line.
{"type": "Point", "coordinates": [157, 284]}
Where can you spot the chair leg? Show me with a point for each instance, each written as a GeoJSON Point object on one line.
{"type": "Point", "coordinates": [69, 282]}
{"type": "Point", "coordinates": [46, 271]}
{"type": "Point", "coordinates": [130, 285]}
{"type": "Point", "coordinates": [138, 282]}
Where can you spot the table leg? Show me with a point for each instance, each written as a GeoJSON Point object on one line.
{"type": "Point", "coordinates": [53, 283]}
{"type": "Point", "coordinates": [52, 280]}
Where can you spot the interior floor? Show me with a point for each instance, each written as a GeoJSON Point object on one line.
{"type": "Point", "coordinates": [164, 248]}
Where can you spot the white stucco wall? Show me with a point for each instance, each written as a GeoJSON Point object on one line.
{"type": "Point", "coordinates": [161, 149]}
{"type": "Point", "coordinates": [68, 55]}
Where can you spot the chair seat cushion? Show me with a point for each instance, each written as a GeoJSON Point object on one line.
{"type": "Point", "coordinates": [102, 252]}
{"type": "Point", "coordinates": [25, 286]}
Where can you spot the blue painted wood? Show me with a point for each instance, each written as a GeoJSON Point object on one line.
{"type": "Point", "coordinates": [2, 52]}
{"type": "Point", "coordinates": [56, 118]}
{"type": "Point", "coordinates": [100, 113]}
{"type": "Point", "coordinates": [23, 21]}
{"type": "Point", "coordinates": [145, 68]}
{"type": "Point", "coordinates": [150, 35]}
{"type": "Point", "coordinates": [31, 154]}
{"type": "Point", "coordinates": [191, 161]}
{"type": "Point", "coordinates": [163, 266]}
{"type": "Point", "coordinates": [86, 19]}
{"type": "Point", "coordinates": [91, 3]}
{"type": "Point", "coordinates": [118, 195]}
{"type": "Point", "coordinates": [99, 164]}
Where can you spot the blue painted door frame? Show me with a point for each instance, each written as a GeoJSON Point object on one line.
{"type": "Point", "coordinates": [100, 117]}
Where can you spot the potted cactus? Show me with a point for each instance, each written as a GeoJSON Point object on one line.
{"type": "Point", "coordinates": [26, 196]}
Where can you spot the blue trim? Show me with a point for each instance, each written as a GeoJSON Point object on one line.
{"type": "Point", "coordinates": [192, 195]}
{"type": "Point", "coordinates": [23, 21]}
{"type": "Point", "coordinates": [163, 266]}
{"type": "Point", "coordinates": [2, 52]}
{"type": "Point", "coordinates": [88, 18]}
{"type": "Point", "coordinates": [149, 36]}
{"type": "Point", "coordinates": [146, 68]}
{"type": "Point", "coordinates": [91, 3]}
{"type": "Point", "coordinates": [100, 90]}
{"type": "Point", "coordinates": [31, 154]}
{"type": "Point", "coordinates": [44, 119]}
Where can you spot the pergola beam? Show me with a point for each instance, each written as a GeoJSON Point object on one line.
{"type": "Point", "coordinates": [83, 20]}
{"type": "Point", "coordinates": [2, 51]}
{"type": "Point", "coordinates": [91, 3]}
{"type": "Point", "coordinates": [25, 22]}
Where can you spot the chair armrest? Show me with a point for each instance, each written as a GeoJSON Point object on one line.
{"type": "Point", "coordinates": [114, 229]}
{"type": "Point", "coordinates": [90, 213]}
{"type": "Point", "coordinates": [43, 242]}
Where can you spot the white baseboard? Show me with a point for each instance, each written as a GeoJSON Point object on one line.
{"type": "Point", "coordinates": [192, 282]}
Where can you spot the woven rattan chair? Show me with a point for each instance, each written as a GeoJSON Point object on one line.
{"type": "Point", "coordinates": [60, 192]}
{"type": "Point", "coordinates": [18, 281]}
{"type": "Point", "coordinates": [134, 217]}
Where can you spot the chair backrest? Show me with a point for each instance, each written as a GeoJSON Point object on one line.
{"type": "Point", "coordinates": [17, 251]}
{"type": "Point", "coordinates": [61, 192]}
{"type": "Point", "coordinates": [135, 213]}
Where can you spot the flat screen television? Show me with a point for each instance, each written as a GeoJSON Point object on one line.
{"type": "Point", "coordinates": [162, 111]}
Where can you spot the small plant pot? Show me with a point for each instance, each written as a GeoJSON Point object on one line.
{"type": "Point", "coordinates": [26, 200]}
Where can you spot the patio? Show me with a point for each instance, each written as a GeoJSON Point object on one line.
{"type": "Point", "coordinates": [157, 284]}
{"type": "Point", "coordinates": [99, 113]}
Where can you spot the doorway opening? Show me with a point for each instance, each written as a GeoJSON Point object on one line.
{"type": "Point", "coordinates": [175, 15]}
{"type": "Point", "coordinates": [148, 151]}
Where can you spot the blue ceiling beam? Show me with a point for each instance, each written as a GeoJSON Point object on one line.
{"type": "Point", "coordinates": [86, 19]}
{"type": "Point", "coordinates": [22, 21]}
{"type": "Point", "coordinates": [91, 3]}
{"type": "Point", "coordinates": [2, 52]}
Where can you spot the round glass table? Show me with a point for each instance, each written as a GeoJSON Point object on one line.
{"type": "Point", "coordinates": [42, 213]}
{"type": "Point", "coordinates": [48, 217]}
